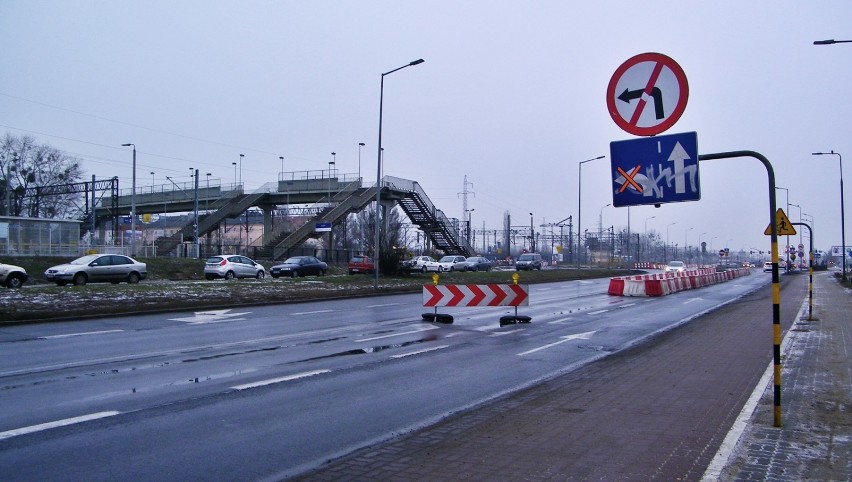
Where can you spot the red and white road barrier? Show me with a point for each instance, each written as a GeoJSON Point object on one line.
{"type": "Point", "coordinates": [476, 295]}
{"type": "Point", "coordinates": [667, 283]}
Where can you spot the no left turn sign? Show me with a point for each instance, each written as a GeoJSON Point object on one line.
{"type": "Point", "coordinates": [647, 94]}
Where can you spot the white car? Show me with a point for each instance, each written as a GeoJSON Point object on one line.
{"type": "Point", "coordinates": [452, 263]}
{"type": "Point", "coordinates": [675, 267]}
{"type": "Point", "coordinates": [421, 264]}
{"type": "Point", "coordinates": [12, 276]}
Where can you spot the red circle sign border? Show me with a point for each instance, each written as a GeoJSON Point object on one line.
{"type": "Point", "coordinates": [669, 121]}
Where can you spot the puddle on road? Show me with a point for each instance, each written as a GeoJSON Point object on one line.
{"type": "Point", "coordinates": [364, 351]}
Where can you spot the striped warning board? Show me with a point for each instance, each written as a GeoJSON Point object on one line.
{"type": "Point", "coordinates": [476, 295]}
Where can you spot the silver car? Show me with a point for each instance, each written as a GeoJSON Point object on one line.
{"type": "Point", "coordinates": [94, 268]}
{"type": "Point", "coordinates": [232, 266]}
{"type": "Point", "coordinates": [12, 276]}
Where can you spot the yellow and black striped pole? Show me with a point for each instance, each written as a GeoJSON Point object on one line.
{"type": "Point", "coordinates": [776, 290]}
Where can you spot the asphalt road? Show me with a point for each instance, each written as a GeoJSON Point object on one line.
{"type": "Point", "coordinates": [267, 392]}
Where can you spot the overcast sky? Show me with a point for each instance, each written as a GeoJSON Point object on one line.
{"type": "Point", "coordinates": [512, 94]}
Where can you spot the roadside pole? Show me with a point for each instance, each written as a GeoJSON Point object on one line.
{"type": "Point", "coordinates": [810, 272]}
{"type": "Point", "coordinates": [776, 287]}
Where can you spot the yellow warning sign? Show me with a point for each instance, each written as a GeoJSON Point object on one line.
{"type": "Point", "coordinates": [782, 224]}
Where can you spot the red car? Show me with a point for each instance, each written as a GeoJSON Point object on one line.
{"type": "Point", "coordinates": [361, 264]}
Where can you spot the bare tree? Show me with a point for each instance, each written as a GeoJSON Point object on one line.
{"type": "Point", "coordinates": [25, 166]}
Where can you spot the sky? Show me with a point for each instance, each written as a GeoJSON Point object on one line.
{"type": "Point", "coordinates": [511, 95]}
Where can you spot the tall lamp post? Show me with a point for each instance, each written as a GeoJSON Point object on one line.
{"type": "Point", "coordinates": [360, 145]}
{"type": "Point", "coordinates": [666, 251]}
{"type": "Point", "coordinates": [842, 211]}
{"type": "Point", "coordinates": [648, 254]}
{"type": "Point", "coordinates": [133, 204]}
{"type": "Point", "coordinates": [241, 168]}
{"type": "Point", "coordinates": [580, 204]}
{"type": "Point", "coordinates": [787, 247]}
{"type": "Point", "coordinates": [379, 166]}
{"type": "Point", "coordinates": [685, 242]}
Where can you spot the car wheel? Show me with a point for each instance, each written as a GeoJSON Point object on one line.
{"type": "Point", "coordinates": [14, 281]}
{"type": "Point", "coordinates": [229, 275]}
{"type": "Point", "coordinates": [260, 275]}
{"type": "Point", "coordinates": [133, 278]}
{"type": "Point", "coordinates": [423, 269]}
{"type": "Point", "coordinates": [322, 272]}
{"type": "Point", "coordinates": [294, 274]}
{"type": "Point", "coordinates": [79, 279]}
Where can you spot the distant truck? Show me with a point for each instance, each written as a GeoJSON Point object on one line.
{"type": "Point", "coordinates": [361, 264]}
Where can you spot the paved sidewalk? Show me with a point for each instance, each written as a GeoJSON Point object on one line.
{"type": "Point", "coordinates": [815, 442]}
{"type": "Point", "coordinates": [658, 411]}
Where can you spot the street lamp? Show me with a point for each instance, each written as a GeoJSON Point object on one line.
{"type": "Point", "coordinates": [580, 203]}
{"type": "Point", "coordinates": [787, 248]}
{"type": "Point", "coordinates": [532, 235]}
{"type": "Point", "coordinates": [646, 237]}
{"type": "Point", "coordinates": [152, 182]}
{"type": "Point", "coordinates": [282, 164]}
{"type": "Point", "coordinates": [379, 165]}
{"type": "Point", "coordinates": [469, 218]}
{"type": "Point", "coordinates": [842, 212]}
{"type": "Point", "coordinates": [685, 241]}
{"type": "Point", "coordinates": [235, 174]}
{"type": "Point", "coordinates": [831, 41]}
{"type": "Point", "coordinates": [241, 168]}
{"type": "Point", "coordinates": [330, 173]}
{"type": "Point", "coordinates": [666, 251]}
{"type": "Point", "coordinates": [132, 204]}
{"type": "Point", "coordinates": [360, 145]}
{"type": "Point", "coordinates": [800, 220]}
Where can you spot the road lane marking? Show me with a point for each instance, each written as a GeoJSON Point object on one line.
{"type": "Point", "coordinates": [273, 381]}
{"type": "Point", "coordinates": [596, 312]}
{"type": "Point", "coordinates": [425, 328]}
{"type": "Point", "coordinates": [692, 300]}
{"type": "Point", "coordinates": [58, 423]}
{"type": "Point", "coordinates": [384, 305]}
{"type": "Point", "coordinates": [629, 304]}
{"type": "Point", "coordinates": [501, 333]}
{"type": "Point", "coordinates": [69, 335]}
{"type": "Point", "coordinates": [211, 316]}
{"type": "Point", "coordinates": [578, 336]}
{"type": "Point", "coordinates": [560, 320]}
{"type": "Point", "coordinates": [312, 312]}
{"type": "Point", "coordinates": [426, 350]}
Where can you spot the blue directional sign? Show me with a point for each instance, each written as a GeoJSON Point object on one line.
{"type": "Point", "coordinates": [655, 170]}
{"type": "Point", "coordinates": [322, 227]}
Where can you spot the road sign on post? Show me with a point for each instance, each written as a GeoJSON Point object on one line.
{"type": "Point", "coordinates": [655, 170]}
{"type": "Point", "coordinates": [644, 79]}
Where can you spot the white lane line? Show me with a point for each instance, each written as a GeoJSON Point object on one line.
{"type": "Point", "coordinates": [692, 300]}
{"type": "Point", "coordinates": [501, 333]}
{"type": "Point", "coordinates": [69, 335]}
{"type": "Point", "coordinates": [427, 350]}
{"type": "Point", "coordinates": [57, 423]}
{"type": "Point", "coordinates": [578, 336]}
{"type": "Point", "coordinates": [629, 304]}
{"type": "Point", "coordinates": [382, 306]}
{"type": "Point", "coordinates": [596, 312]}
{"type": "Point", "coordinates": [312, 312]}
{"type": "Point", "coordinates": [273, 381]}
{"type": "Point", "coordinates": [560, 320]}
{"type": "Point", "coordinates": [425, 328]}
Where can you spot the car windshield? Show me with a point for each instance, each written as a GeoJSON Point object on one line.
{"type": "Point", "coordinates": [358, 259]}
{"type": "Point", "coordinates": [85, 259]}
{"type": "Point", "coordinates": [214, 260]}
{"type": "Point", "coordinates": [526, 257]}
{"type": "Point", "coordinates": [295, 260]}
{"type": "Point", "coordinates": [676, 264]}
{"type": "Point", "coordinates": [447, 259]}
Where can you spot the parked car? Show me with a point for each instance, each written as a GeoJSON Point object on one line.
{"type": "Point", "coordinates": [232, 266]}
{"type": "Point", "coordinates": [95, 268]}
{"type": "Point", "coordinates": [299, 266]}
{"type": "Point", "coordinates": [361, 264]}
{"type": "Point", "coordinates": [767, 266]}
{"type": "Point", "coordinates": [528, 262]}
{"type": "Point", "coordinates": [12, 276]}
{"type": "Point", "coordinates": [421, 264]}
{"type": "Point", "coordinates": [477, 263]}
{"type": "Point", "coordinates": [451, 263]}
{"type": "Point", "coordinates": [675, 267]}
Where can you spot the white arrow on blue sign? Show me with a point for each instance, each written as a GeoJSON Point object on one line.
{"type": "Point", "coordinates": [655, 170]}
{"type": "Point", "coordinates": [322, 227]}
